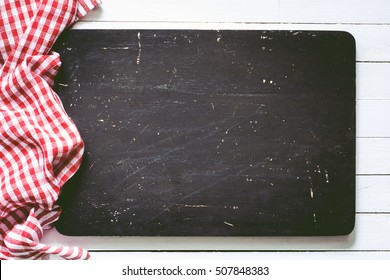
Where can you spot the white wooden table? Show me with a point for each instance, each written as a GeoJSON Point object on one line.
{"type": "Point", "coordinates": [369, 23]}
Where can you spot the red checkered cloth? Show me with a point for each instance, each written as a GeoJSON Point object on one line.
{"type": "Point", "coordinates": [40, 147]}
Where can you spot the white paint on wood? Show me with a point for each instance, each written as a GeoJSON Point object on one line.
{"type": "Point", "coordinates": [372, 156]}
{"type": "Point", "coordinates": [270, 11]}
{"type": "Point", "coordinates": [372, 118]}
{"type": "Point", "coordinates": [373, 194]}
{"type": "Point", "coordinates": [372, 80]}
{"type": "Point", "coordinates": [242, 256]}
{"type": "Point", "coordinates": [334, 11]}
{"type": "Point", "coordinates": [185, 11]}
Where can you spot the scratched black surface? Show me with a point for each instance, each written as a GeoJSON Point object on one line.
{"type": "Point", "coordinates": [210, 132]}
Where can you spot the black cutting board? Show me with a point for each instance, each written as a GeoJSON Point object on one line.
{"type": "Point", "coordinates": [205, 133]}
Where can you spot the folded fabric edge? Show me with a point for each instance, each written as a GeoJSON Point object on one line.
{"type": "Point", "coordinates": [85, 6]}
{"type": "Point", "coordinates": [76, 253]}
{"type": "Point", "coordinates": [36, 249]}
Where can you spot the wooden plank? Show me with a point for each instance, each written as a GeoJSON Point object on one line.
{"type": "Point", "coordinates": [334, 11]}
{"type": "Point", "coordinates": [373, 194]}
{"type": "Point", "coordinates": [185, 11]}
{"type": "Point", "coordinates": [373, 156]}
{"type": "Point", "coordinates": [372, 41]}
{"type": "Point", "coordinates": [372, 81]}
{"type": "Point", "coordinates": [286, 11]}
{"type": "Point", "coordinates": [370, 234]}
{"type": "Point", "coordinates": [372, 118]}
{"type": "Point", "coordinates": [203, 257]}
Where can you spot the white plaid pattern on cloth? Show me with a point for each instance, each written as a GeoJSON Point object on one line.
{"type": "Point", "coordinates": [40, 146]}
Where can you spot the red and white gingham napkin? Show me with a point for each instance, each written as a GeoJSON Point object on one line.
{"type": "Point", "coordinates": [40, 147]}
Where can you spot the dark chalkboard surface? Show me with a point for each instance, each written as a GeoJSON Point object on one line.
{"type": "Point", "coordinates": [210, 132]}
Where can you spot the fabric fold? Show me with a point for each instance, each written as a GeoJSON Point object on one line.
{"type": "Point", "coordinates": [40, 146]}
